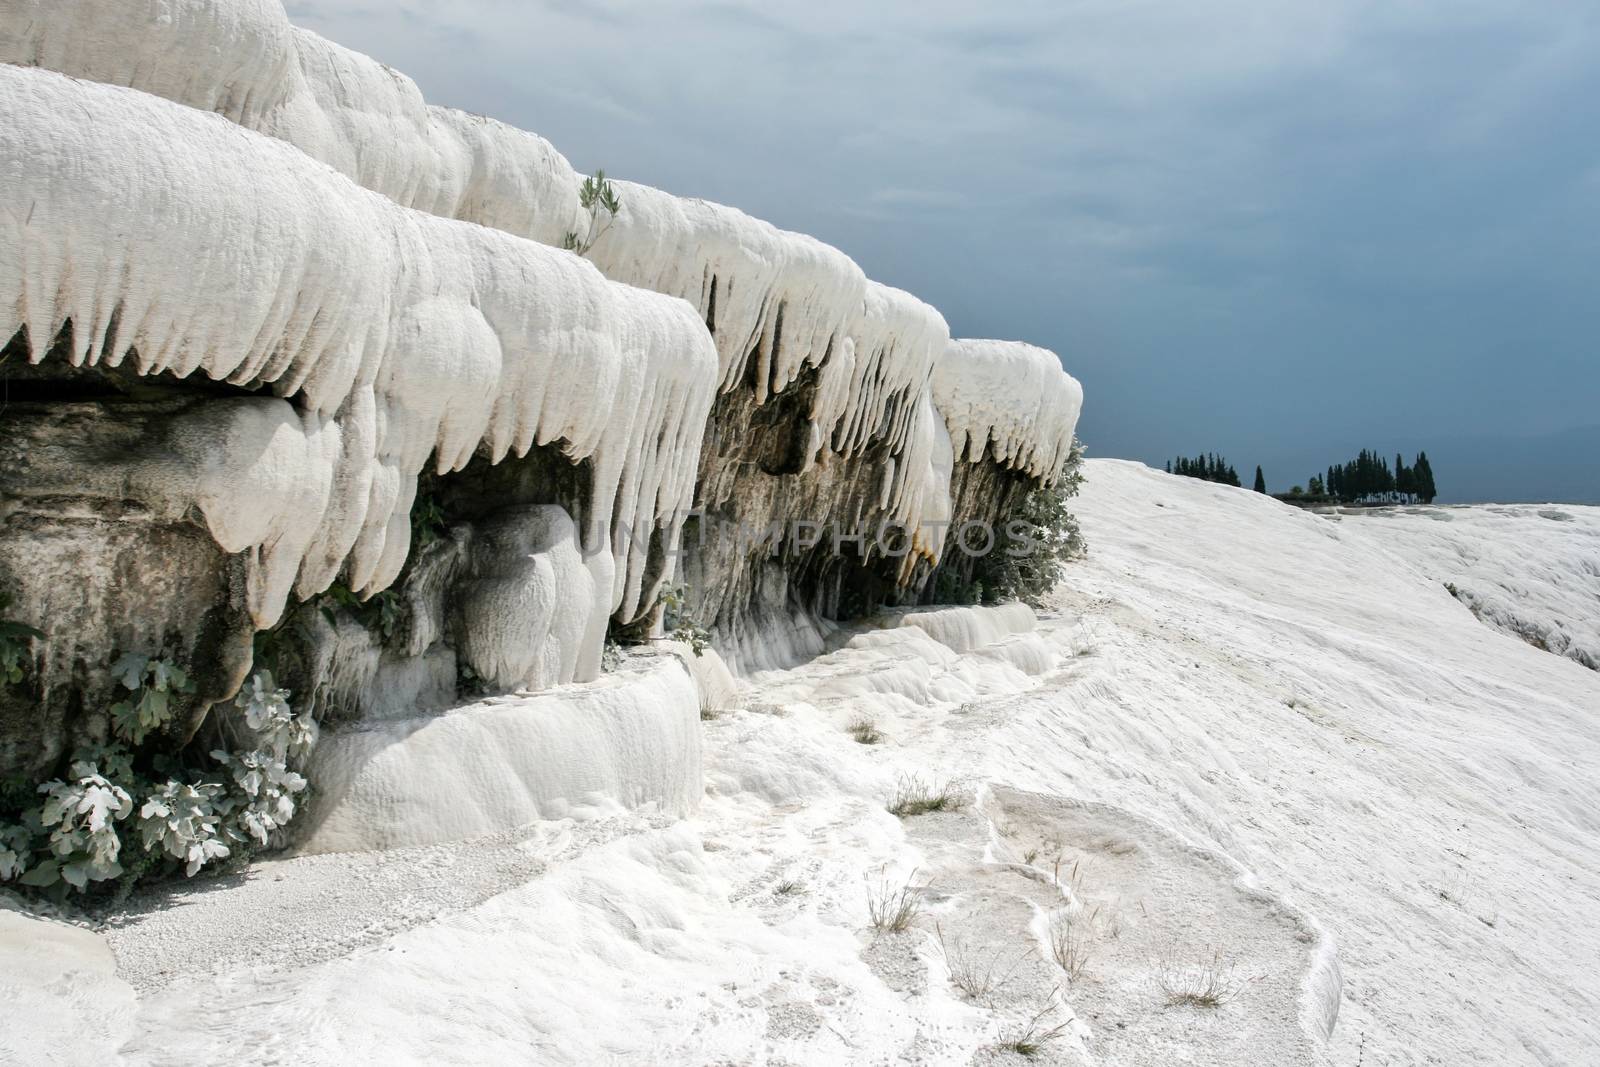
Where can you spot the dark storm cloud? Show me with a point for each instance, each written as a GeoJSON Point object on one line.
{"type": "Point", "coordinates": [1278, 230]}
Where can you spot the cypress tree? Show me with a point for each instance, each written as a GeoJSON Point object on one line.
{"type": "Point", "coordinates": [1426, 490]}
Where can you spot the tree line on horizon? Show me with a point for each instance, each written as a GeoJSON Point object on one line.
{"type": "Point", "coordinates": [1367, 479]}
{"type": "Point", "coordinates": [1208, 468]}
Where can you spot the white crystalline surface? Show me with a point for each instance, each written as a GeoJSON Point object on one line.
{"type": "Point", "coordinates": [628, 740]}
{"type": "Point", "coordinates": [1549, 597]}
{"type": "Point", "coordinates": [242, 59]}
{"type": "Point", "coordinates": [1013, 398]}
{"type": "Point", "coordinates": [1411, 795]}
{"type": "Point", "coordinates": [208, 249]}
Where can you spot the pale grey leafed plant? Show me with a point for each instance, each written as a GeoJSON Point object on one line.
{"type": "Point", "coordinates": [182, 820]}
{"type": "Point", "coordinates": [261, 799]}
{"type": "Point", "coordinates": [81, 816]}
{"type": "Point", "coordinates": [74, 838]}
{"type": "Point", "coordinates": [16, 843]}
{"type": "Point", "coordinates": [151, 684]}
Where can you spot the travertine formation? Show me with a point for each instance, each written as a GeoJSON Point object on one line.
{"type": "Point", "coordinates": [253, 288]}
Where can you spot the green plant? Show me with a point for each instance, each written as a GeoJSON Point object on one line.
{"type": "Point", "coordinates": [950, 588]}
{"type": "Point", "coordinates": [382, 612]}
{"type": "Point", "coordinates": [595, 195]}
{"type": "Point", "coordinates": [1031, 544]}
{"type": "Point", "coordinates": [151, 683]}
{"type": "Point", "coordinates": [678, 622]}
{"type": "Point", "coordinates": [428, 520]}
{"type": "Point", "coordinates": [468, 682]}
{"type": "Point", "coordinates": [14, 640]}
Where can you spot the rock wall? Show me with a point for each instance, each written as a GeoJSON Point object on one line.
{"type": "Point", "coordinates": [256, 289]}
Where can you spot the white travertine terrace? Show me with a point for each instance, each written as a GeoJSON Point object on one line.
{"type": "Point", "coordinates": [1009, 396]}
{"type": "Point", "coordinates": [202, 190]}
{"type": "Point", "coordinates": [781, 298]}
{"type": "Point", "coordinates": [202, 248]}
{"type": "Point", "coordinates": [630, 739]}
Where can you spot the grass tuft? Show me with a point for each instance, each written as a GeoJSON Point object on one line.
{"type": "Point", "coordinates": [1072, 941]}
{"type": "Point", "coordinates": [1030, 1038]}
{"type": "Point", "coordinates": [1210, 983]}
{"type": "Point", "coordinates": [977, 974]}
{"type": "Point", "coordinates": [917, 796]}
{"type": "Point", "coordinates": [894, 910]}
{"type": "Point", "coordinates": [864, 730]}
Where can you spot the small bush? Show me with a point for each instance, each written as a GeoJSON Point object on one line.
{"type": "Point", "coordinates": [917, 796]}
{"type": "Point", "coordinates": [679, 623]}
{"type": "Point", "coordinates": [80, 816]}
{"type": "Point", "coordinates": [595, 195]}
{"type": "Point", "coordinates": [864, 730]}
{"type": "Point", "coordinates": [1026, 565]}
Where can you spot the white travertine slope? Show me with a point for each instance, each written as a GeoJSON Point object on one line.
{"type": "Point", "coordinates": [1246, 679]}
{"type": "Point", "coordinates": [207, 249]}
{"type": "Point", "coordinates": [1550, 598]}
{"type": "Point", "coordinates": [64, 1001]}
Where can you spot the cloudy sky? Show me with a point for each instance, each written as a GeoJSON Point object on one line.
{"type": "Point", "coordinates": [1281, 230]}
